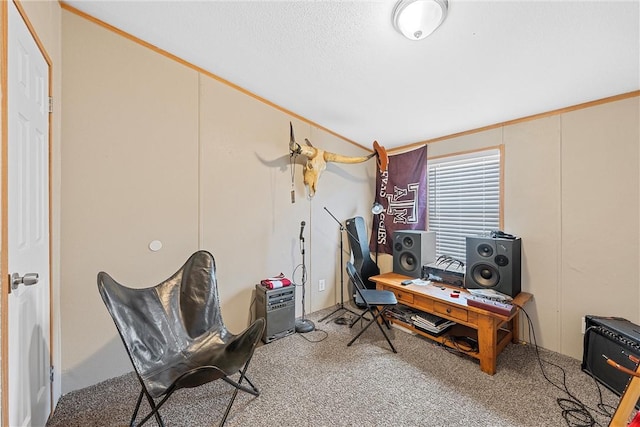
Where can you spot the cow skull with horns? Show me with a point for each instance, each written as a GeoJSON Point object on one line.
{"type": "Point", "coordinates": [317, 160]}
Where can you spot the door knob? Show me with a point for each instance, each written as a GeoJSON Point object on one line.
{"type": "Point", "coordinates": [27, 280]}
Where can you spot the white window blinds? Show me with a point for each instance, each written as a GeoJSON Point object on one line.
{"type": "Point", "coordinates": [463, 199]}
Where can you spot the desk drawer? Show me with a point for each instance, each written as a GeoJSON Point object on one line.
{"type": "Point", "coordinates": [402, 297]}
{"type": "Point", "coordinates": [423, 303]}
{"type": "Point", "coordinates": [451, 311]}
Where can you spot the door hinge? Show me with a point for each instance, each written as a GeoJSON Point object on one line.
{"type": "Point", "coordinates": [51, 373]}
{"type": "Point", "coordinates": [51, 104]}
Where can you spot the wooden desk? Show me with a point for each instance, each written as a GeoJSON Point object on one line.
{"type": "Point", "coordinates": [493, 331]}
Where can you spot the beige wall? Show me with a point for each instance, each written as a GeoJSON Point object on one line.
{"type": "Point", "coordinates": [600, 232]}
{"type": "Point", "coordinates": [247, 217]}
{"type": "Point", "coordinates": [572, 185]}
{"type": "Point", "coordinates": [154, 150]}
{"type": "Point", "coordinates": [130, 176]}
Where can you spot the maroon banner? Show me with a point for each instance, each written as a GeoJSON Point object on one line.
{"type": "Point", "coordinates": [402, 191]}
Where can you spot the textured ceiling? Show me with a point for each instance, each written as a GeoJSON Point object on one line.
{"type": "Point", "coordinates": [341, 65]}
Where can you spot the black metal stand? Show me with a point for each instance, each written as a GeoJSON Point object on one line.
{"type": "Point", "coordinates": [341, 304]}
{"type": "Point", "coordinates": [303, 325]}
{"type": "Point", "coordinates": [376, 218]}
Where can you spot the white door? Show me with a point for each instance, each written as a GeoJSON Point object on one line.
{"type": "Point", "coordinates": [28, 221]}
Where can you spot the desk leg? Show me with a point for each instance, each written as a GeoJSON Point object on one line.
{"type": "Point", "coordinates": [487, 343]}
{"type": "Point", "coordinates": [515, 328]}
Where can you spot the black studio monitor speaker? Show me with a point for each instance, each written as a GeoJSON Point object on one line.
{"type": "Point", "coordinates": [411, 250]}
{"type": "Point", "coordinates": [494, 263]}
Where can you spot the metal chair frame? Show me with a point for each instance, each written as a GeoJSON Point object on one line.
{"type": "Point", "coordinates": [376, 302]}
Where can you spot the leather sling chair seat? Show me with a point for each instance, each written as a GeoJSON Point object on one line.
{"type": "Point", "coordinates": [175, 336]}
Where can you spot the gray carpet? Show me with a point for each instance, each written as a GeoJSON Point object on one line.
{"type": "Point", "coordinates": [326, 383]}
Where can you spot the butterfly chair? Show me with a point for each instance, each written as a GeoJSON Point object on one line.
{"type": "Point", "coordinates": [375, 302]}
{"type": "Point", "coordinates": [175, 336]}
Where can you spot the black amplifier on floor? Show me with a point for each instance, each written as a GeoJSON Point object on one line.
{"type": "Point", "coordinates": [616, 338]}
{"type": "Point", "coordinates": [278, 307]}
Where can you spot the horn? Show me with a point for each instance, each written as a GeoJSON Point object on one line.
{"type": "Point", "coordinates": [338, 158]}
{"type": "Point", "coordinates": [294, 147]}
{"type": "Point", "coordinates": [383, 158]}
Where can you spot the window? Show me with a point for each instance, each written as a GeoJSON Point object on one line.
{"type": "Point", "coordinates": [463, 199]}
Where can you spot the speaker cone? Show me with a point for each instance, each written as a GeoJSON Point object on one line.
{"type": "Point", "coordinates": [485, 250]}
{"type": "Point", "coordinates": [407, 242]}
{"type": "Point", "coordinates": [501, 260]}
{"type": "Point", "coordinates": [408, 262]}
{"type": "Point", "coordinates": [485, 275]}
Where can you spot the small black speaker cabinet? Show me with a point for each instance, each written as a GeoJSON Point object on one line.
{"type": "Point", "coordinates": [615, 338]}
{"type": "Point", "coordinates": [277, 307]}
{"type": "Point", "coordinates": [411, 250]}
{"type": "Point", "coordinates": [494, 263]}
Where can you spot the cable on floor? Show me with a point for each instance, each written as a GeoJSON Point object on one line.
{"type": "Point", "coordinates": [574, 411]}
{"type": "Point", "coordinates": [326, 334]}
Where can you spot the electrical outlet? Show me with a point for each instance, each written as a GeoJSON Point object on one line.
{"type": "Point", "coordinates": [582, 325]}
{"type": "Point", "coordinates": [321, 285]}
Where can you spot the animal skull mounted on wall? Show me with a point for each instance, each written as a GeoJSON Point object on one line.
{"type": "Point", "coordinates": [317, 160]}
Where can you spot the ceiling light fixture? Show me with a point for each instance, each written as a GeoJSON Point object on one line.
{"type": "Point", "coordinates": [416, 19]}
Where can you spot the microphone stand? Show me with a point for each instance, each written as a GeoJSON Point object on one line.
{"type": "Point", "coordinates": [341, 305]}
{"type": "Point", "coordinates": [303, 325]}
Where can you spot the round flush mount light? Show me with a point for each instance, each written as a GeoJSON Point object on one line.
{"type": "Point", "coordinates": [416, 19]}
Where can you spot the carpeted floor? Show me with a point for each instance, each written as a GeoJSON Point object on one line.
{"type": "Point", "coordinates": [314, 379]}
